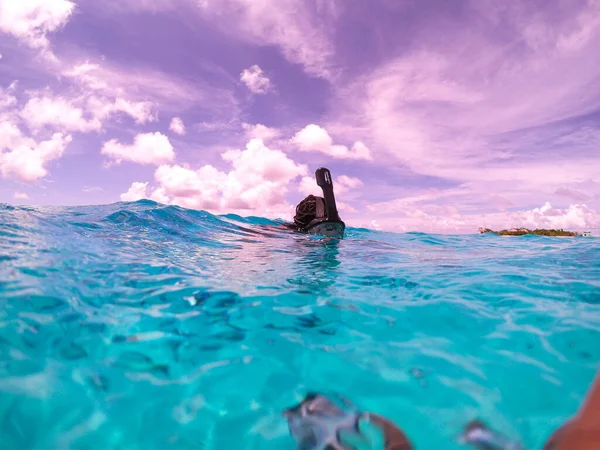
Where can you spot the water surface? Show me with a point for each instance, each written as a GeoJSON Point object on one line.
{"type": "Point", "coordinates": [144, 326]}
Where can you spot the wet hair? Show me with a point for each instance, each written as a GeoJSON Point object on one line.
{"type": "Point", "coordinates": [306, 211]}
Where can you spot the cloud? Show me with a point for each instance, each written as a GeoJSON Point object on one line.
{"type": "Point", "coordinates": [31, 20]}
{"type": "Point", "coordinates": [494, 109]}
{"type": "Point", "coordinates": [147, 148]}
{"type": "Point", "coordinates": [58, 113]}
{"type": "Point", "coordinates": [255, 80]}
{"type": "Point", "coordinates": [83, 113]}
{"type": "Point", "coordinates": [401, 205]}
{"type": "Point", "coordinates": [345, 208]}
{"type": "Point", "coordinates": [141, 91]}
{"type": "Point", "coordinates": [302, 30]}
{"type": "Point", "coordinates": [21, 196]}
{"type": "Point", "coordinates": [177, 126]}
{"type": "Point", "coordinates": [344, 183]}
{"type": "Point", "coordinates": [572, 194]}
{"type": "Point", "coordinates": [256, 184]}
{"type": "Point", "coordinates": [25, 159]}
{"type": "Point", "coordinates": [260, 131]}
{"type": "Point", "coordinates": [192, 188]}
{"type": "Point", "coordinates": [90, 189]}
{"type": "Point", "coordinates": [136, 192]}
{"type": "Point", "coordinates": [145, 85]}
{"type": "Point", "coordinates": [6, 100]}
{"type": "Point", "coordinates": [115, 7]}
{"type": "Point", "coordinates": [308, 186]}
{"type": "Point", "coordinates": [313, 138]}
{"type": "Point", "coordinates": [575, 217]}
{"type": "Point", "coordinates": [103, 108]}
{"type": "Point", "coordinates": [341, 184]}
{"type": "Point", "coordinates": [10, 134]}
{"type": "Point", "coordinates": [470, 98]}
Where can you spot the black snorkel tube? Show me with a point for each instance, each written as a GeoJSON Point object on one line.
{"type": "Point", "coordinates": [331, 224]}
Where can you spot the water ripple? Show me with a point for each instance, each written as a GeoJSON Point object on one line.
{"type": "Point", "coordinates": [139, 325]}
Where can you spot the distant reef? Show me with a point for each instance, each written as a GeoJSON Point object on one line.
{"type": "Point", "coordinates": [524, 231]}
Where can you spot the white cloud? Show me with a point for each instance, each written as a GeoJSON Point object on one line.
{"type": "Point", "coordinates": [90, 189]}
{"type": "Point", "coordinates": [6, 101]}
{"type": "Point", "coordinates": [256, 184]}
{"type": "Point", "coordinates": [149, 86]}
{"type": "Point", "coordinates": [375, 225]}
{"type": "Point", "coordinates": [260, 176]}
{"type": "Point", "coordinates": [21, 196]}
{"type": "Point", "coordinates": [502, 117]}
{"type": "Point", "coordinates": [102, 108]}
{"type": "Point", "coordinates": [141, 112]}
{"type": "Point", "coordinates": [308, 186]}
{"type": "Point", "coordinates": [345, 208]}
{"type": "Point", "coordinates": [303, 30]}
{"type": "Point", "coordinates": [316, 139]}
{"type": "Point", "coordinates": [575, 217]}
{"type": "Point", "coordinates": [344, 183]}
{"type": "Point", "coordinates": [147, 148]}
{"type": "Point", "coordinates": [90, 75]}
{"type": "Point", "coordinates": [25, 159]}
{"type": "Point", "coordinates": [158, 195]}
{"type": "Point", "coordinates": [31, 20]}
{"type": "Point", "coordinates": [255, 80]}
{"type": "Point", "coordinates": [140, 91]}
{"type": "Point", "coordinates": [58, 113]}
{"type": "Point", "coordinates": [10, 134]}
{"type": "Point", "coordinates": [192, 188]}
{"type": "Point", "coordinates": [403, 204]}
{"type": "Point", "coordinates": [84, 113]}
{"type": "Point", "coordinates": [177, 126]}
{"type": "Point", "coordinates": [216, 126]}
{"type": "Point", "coordinates": [572, 194]}
{"type": "Point", "coordinates": [260, 131]}
{"type": "Point", "coordinates": [459, 101]}
{"type": "Point", "coordinates": [341, 185]}
{"type": "Point", "coordinates": [136, 192]}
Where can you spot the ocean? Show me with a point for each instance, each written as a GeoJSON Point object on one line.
{"type": "Point", "coordinates": [144, 326]}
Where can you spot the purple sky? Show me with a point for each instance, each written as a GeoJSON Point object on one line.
{"type": "Point", "coordinates": [433, 116]}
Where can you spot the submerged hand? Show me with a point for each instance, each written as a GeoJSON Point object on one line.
{"type": "Point", "coordinates": [583, 431]}
{"type": "Point", "coordinates": [394, 438]}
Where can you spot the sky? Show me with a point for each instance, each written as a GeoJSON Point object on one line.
{"type": "Point", "coordinates": [432, 115]}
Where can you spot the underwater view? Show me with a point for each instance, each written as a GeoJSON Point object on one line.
{"type": "Point", "coordinates": [144, 326]}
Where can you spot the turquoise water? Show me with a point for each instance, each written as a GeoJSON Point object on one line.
{"type": "Point", "coordinates": [141, 326]}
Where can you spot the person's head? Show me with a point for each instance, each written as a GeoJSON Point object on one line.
{"type": "Point", "coordinates": [318, 215]}
{"type": "Point", "coordinates": [307, 210]}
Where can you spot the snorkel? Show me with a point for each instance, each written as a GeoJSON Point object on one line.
{"type": "Point", "coordinates": [327, 221]}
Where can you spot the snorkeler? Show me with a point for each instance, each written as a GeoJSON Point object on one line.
{"type": "Point", "coordinates": [319, 215]}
